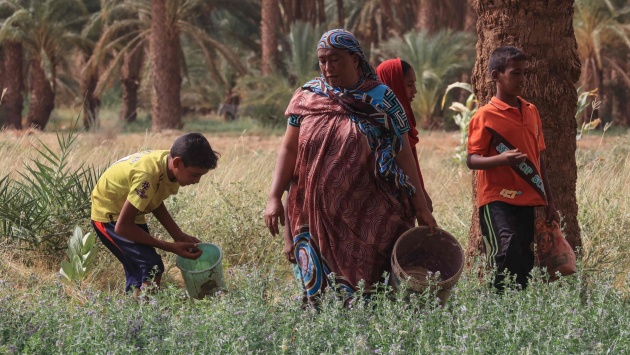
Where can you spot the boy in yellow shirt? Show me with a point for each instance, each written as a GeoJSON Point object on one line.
{"type": "Point", "coordinates": [137, 185]}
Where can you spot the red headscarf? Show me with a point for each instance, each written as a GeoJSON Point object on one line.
{"type": "Point", "coordinates": [390, 72]}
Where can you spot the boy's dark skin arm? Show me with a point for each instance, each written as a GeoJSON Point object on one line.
{"type": "Point", "coordinates": [513, 158]}
{"type": "Point", "coordinates": [550, 209]}
{"type": "Point", "coordinates": [162, 215]}
{"type": "Point", "coordinates": [126, 227]}
{"type": "Point", "coordinates": [510, 158]}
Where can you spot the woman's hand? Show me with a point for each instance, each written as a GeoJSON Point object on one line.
{"type": "Point", "coordinates": [288, 251]}
{"type": "Point", "coordinates": [273, 212]}
{"type": "Point", "coordinates": [425, 217]}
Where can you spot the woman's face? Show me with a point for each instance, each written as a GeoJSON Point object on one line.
{"type": "Point", "coordinates": [410, 84]}
{"type": "Point", "coordinates": [339, 67]}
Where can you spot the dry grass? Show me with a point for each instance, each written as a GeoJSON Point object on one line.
{"type": "Point", "coordinates": [244, 174]}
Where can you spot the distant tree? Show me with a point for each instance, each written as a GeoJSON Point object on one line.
{"type": "Point", "coordinates": [269, 40]}
{"type": "Point", "coordinates": [166, 73]}
{"type": "Point", "coordinates": [90, 33]}
{"type": "Point", "coordinates": [544, 31]}
{"type": "Point", "coordinates": [12, 81]}
{"type": "Point", "coordinates": [603, 42]}
{"type": "Point", "coordinates": [48, 31]}
{"type": "Point", "coordinates": [130, 31]}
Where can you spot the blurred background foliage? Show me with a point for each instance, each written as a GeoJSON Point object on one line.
{"type": "Point", "coordinates": [60, 57]}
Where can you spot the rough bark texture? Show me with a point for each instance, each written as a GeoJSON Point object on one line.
{"type": "Point", "coordinates": [13, 81]}
{"type": "Point", "coordinates": [470, 18]}
{"type": "Point", "coordinates": [131, 70]}
{"type": "Point", "coordinates": [427, 16]}
{"type": "Point", "coordinates": [544, 30]}
{"type": "Point", "coordinates": [166, 109]}
{"type": "Point", "coordinates": [269, 22]}
{"type": "Point", "coordinates": [42, 97]}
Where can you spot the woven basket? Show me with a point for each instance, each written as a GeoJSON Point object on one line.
{"type": "Point", "coordinates": [418, 253]}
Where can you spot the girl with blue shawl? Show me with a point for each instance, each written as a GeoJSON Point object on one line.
{"type": "Point", "coordinates": [347, 158]}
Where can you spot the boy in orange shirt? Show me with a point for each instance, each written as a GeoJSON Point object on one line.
{"type": "Point", "coordinates": [505, 140]}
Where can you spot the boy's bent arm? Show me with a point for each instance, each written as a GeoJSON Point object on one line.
{"type": "Point", "coordinates": [127, 228]}
{"type": "Point", "coordinates": [510, 157]}
{"type": "Point", "coordinates": [550, 209]}
{"type": "Point", "coordinates": [161, 214]}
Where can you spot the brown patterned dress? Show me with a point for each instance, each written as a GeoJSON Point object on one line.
{"type": "Point", "coordinates": [344, 217]}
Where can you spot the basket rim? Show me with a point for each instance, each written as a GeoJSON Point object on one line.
{"type": "Point", "coordinates": [396, 265]}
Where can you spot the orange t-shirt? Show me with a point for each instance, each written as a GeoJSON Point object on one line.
{"type": "Point", "coordinates": [522, 131]}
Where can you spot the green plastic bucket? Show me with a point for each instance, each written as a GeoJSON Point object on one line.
{"type": "Point", "coordinates": [203, 276]}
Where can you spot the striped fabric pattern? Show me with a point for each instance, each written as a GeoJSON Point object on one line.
{"type": "Point", "coordinates": [490, 241]}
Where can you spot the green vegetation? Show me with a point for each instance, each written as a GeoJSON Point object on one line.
{"type": "Point", "coordinates": [81, 253]}
{"type": "Point", "coordinates": [261, 313]}
{"type": "Point", "coordinates": [39, 206]}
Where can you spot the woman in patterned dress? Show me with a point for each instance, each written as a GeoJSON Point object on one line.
{"type": "Point", "coordinates": [347, 158]}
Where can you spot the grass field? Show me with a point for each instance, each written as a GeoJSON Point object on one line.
{"type": "Point", "coordinates": [261, 313]}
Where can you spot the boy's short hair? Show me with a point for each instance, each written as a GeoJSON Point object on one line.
{"type": "Point", "coordinates": [194, 150]}
{"type": "Point", "coordinates": [500, 57]}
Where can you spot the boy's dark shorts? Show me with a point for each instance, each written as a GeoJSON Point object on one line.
{"type": "Point", "coordinates": [141, 262]}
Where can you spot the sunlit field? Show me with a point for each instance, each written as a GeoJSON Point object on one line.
{"type": "Point", "coordinates": [260, 311]}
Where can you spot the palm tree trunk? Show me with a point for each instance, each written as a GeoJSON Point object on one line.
{"type": "Point", "coordinates": [13, 81]}
{"type": "Point", "coordinates": [131, 70]}
{"type": "Point", "coordinates": [427, 19]}
{"type": "Point", "coordinates": [470, 18]}
{"type": "Point", "coordinates": [544, 30]}
{"type": "Point", "coordinates": [269, 22]}
{"type": "Point", "coordinates": [91, 101]}
{"type": "Point", "coordinates": [166, 109]}
{"type": "Point", "coordinates": [42, 97]}
{"type": "Point", "coordinates": [321, 12]}
{"type": "Point", "coordinates": [341, 18]}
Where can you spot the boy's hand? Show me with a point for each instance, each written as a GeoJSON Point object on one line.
{"type": "Point", "coordinates": [552, 213]}
{"type": "Point", "coordinates": [186, 250]}
{"type": "Point", "coordinates": [187, 238]}
{"type": "Point", "coordinates": [513, 157]}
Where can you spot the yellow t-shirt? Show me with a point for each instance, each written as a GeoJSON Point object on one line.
{"type": "Point", "coordinates": [140, 178]}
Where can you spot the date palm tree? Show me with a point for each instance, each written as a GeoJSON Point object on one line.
{"type": "Point", "coordinates": [603, 41]}
{"type": "Point", "coordinates": [11, 38]}
{"type": "Point", "coordinates": [48, 31]}
{"type": "Point", "coordinates": [162, 26]}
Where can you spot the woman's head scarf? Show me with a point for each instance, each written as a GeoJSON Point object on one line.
{"type": "Point", "coordinates": [342, 39]}
{"type": "Point", "coordinates": [390, 72]}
